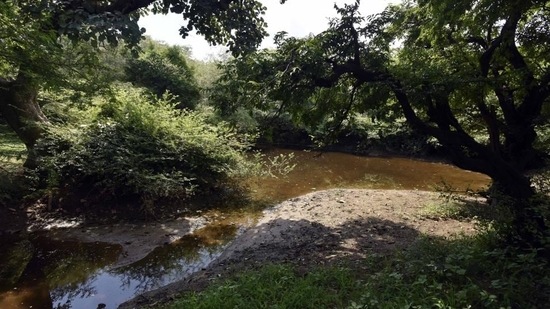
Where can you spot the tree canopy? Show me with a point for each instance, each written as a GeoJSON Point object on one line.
{"type": "Point", "coordinates": [163, 68]}
{"type": "Point", "coordinates": [474, 74]}
{"type": "Point", "coordinates": [33, 33]}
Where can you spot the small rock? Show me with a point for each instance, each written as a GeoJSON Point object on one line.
{"type": "Point", "coordinates": [341, 201]}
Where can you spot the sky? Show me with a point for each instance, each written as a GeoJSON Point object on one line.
{"type": "Point", "coordinates": [297, 17]}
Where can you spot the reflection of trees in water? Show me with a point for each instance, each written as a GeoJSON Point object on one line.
{"type": "Point", "coordinates": [66, 305]}
{"type": "Point", "coordinates": [71, 268]}
{"type": "Point", "coordinates": [17, 253]}
{"type": "Point", "coordinates": [69, 293]}
{"type": "Point", "coordinates": [148, 276]}
{"type": "Point", "coordinates": [177, 260]}
{"type": "Point", "coordinates": [73, 291]}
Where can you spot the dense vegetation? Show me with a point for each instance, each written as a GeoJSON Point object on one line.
{"type": "Point", "coordinates": [471, 74]}
{"type": "Point", "coordinates": [95, 141]}
{"type": "Point", "coordinates": [134, 149]}
{"type": "Point", "coordinates": [164, 69]}
{"type": "Point", "coordinates": [109, 119]}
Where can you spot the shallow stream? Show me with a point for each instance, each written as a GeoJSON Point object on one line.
{"type": "Point", "coordinates": [46, 270]}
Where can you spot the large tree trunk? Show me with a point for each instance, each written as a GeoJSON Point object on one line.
{"type": "Point", "coordinates": [528, 224]}
{"type": "Point", "coordinates": [20, 109]}
{"type": "Point", "coordinates": [513, 189]}
{"type": "Point", "coordinates": [508, 171]}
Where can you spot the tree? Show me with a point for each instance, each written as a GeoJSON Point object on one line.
{"type": "Point", "coordinates": [32, 30]}
{"type": "Point", "coordinates": [474, 74]}
{"type": "Point", "coordinates": [162, 68]}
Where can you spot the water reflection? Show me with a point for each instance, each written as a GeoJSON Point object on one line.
{"type": "Point", "coordinates": [177, 260]}
{"type": "Point", "coordinates": [69, 266]}
{"type": "Point", "coordinates": [68, 274]}
{"type": "Point", "coordinates": [44, 272]}
{"type": "Point", "coordinates": [17, 253]}
{"type": "Point", "coordinates": [319, 171]}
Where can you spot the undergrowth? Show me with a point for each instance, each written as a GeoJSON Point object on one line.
{"type": "Point", "coordinates": [12, 155]}
{"type": "Point", "coordinates": [12, 150]}
{"type": "Point", "coordinates": [469, 272]}
{"type": "Point", "coordinates": [277, 286]}
{"type": "Point", "coordinates": [136, 151]}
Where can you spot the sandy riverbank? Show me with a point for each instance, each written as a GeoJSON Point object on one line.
{"type": "Point", "coordinates": [325, 227]}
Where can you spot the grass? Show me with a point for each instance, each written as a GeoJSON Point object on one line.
{"type": "Point", "coordinates": [465, 208]}
{"type": "Point", "coordinates": [12, 150]}
{"type": "Point", "coordinates": [458, 210]}
{"type": "Point", "coordinates": [470, 272]}
{"type": "Point", "coordinates": [278, 286]}
{"type": "Point", "coordinates": [12, 157]}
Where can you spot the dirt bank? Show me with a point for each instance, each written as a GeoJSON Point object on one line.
{"type": "Point", "coordinates": [326, 227]}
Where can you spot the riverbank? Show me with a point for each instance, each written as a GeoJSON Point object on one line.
{"type": "Point", "coordinates": [331, 227]}
{"type": "Point", "coordinates": [314, 171]}
{"type": "Point", "coordinates": [156, 253]}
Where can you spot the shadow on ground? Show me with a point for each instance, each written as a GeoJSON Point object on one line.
{"type": "Point", "coordinates": [302, 243]}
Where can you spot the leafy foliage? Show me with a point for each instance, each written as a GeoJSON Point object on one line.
{"type": "Point", "coordinates": [237, 24]}
{"type": "Point", "coordinates": [472, 74]}
{"type": "Point", "coordinates": [464, 273]}
{"type": "Point", "coordinates": [12, 152]}
{"type": "Point", "coordinates": [423, 66]}
{"type": "Point", "coordinates": [21, 32]}
{"type": "Point", "coordinates": [127, 150]}
{"type": "Point", "coordinates": [163, 68]}
{"type": "Point", "coordinates": [25, 25]}
{"type": "Point", "coordinates": [36, 31]}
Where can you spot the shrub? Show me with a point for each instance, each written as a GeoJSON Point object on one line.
{"type": "Point", "coordinates": [12, 155]}
{"type": "Point", "coordinates": [130, 151]}
{"type": "Point", "coordinates": [162, 69]}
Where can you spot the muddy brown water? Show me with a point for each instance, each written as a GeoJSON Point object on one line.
{"type": "Point", "coordinates": [42, 271]}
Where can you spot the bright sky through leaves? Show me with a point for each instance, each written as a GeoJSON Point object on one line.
{"type": "Point", "coordinates": [297, 17]}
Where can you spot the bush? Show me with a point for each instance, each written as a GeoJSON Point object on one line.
{"type": "Point", "coordinates": [163, 69]}
{"type": "Point", "coordinates": [12, 156]}
{"type": "Point", "coordinates": [129, 151]}
{"type": "Point", "coordinates": [469, 272]}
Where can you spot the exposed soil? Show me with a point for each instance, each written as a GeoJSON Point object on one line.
{"type": "Point", "coordinates": [322, 228]}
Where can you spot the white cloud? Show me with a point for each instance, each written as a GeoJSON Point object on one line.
{"type": "Point", "coordinates": [297, 17]}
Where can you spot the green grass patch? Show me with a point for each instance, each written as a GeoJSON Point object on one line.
{"type": "Point", "coordinates": [465, 208]}
{"type": "Point", "coordinates": [453, 209]}
{"type": "Point", "coordinates": [470, 272]}
{"type": "Point", "coordinates": [12, 150]}
{"type": "Point", "coordinates": [278, 286]}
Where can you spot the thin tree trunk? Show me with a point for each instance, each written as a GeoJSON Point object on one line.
{"type": "Point", "coordinates": [20, 109]}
